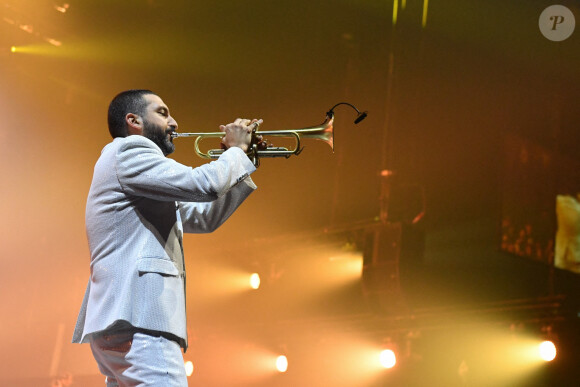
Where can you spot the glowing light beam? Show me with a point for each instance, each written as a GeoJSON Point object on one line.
{"type": "Point", "coordinates": [282, 363]}
{"type": "Point", "coordinates": [255, 281]}
{"type": "Point", "coordinates": [547, 350]}
{"type": "Point", "coordinates": [388, 358]}
{"type": "Point", "coordinates": [189, 368]}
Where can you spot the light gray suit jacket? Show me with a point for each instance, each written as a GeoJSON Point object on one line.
{"type": "Point", "coordinates": [138, 207]}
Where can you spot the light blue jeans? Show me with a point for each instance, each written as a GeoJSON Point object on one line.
{"type": "Point", "coordinates": [131, 359]}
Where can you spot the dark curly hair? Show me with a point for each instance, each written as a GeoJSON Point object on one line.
{"type": "Point", "coordinates": [130, 101]}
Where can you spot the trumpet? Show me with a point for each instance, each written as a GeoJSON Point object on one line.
{"type": "Point", "coordinates": [260, 148]}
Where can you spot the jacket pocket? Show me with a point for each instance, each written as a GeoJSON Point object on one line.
{"type": "Point", "coordinates": [156, 265]}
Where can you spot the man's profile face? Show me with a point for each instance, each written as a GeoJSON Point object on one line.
{"type": "Point", "coordinates": [158, 123]}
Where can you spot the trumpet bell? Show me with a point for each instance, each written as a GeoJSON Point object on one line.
{"type": "Point", "coordinates": [323, 132]}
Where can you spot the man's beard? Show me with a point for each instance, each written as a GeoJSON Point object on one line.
{"type": "Point", "coordinates": [159, 136]}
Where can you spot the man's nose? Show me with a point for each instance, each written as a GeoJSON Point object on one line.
{"type": "Point", "coordinates": [173, 123]}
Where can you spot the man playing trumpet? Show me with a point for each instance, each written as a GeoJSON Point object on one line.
{"type": "Point", "coordinates": [139, 205]}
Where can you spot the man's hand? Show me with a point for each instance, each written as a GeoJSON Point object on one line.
{"type": "Point", "coordinates": [238, 133]}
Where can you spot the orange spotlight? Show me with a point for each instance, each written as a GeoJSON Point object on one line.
{"type": "Point", "coordinates": [189, 368]}
{"type": "Point", "coordinates": [388, 358]}
{"type": "Point", "coordinates": [26, 28]}
{"type": "Point", "coordinates": [62, 8]}
{"type": "Point", "coordinates": [281, 363]}
{"type": "Point", "coordinates": [255, 281]}
{"type": "Point", "coordinates": [54, 42]}
{"type": "Point", "coordinates": [547, 350]}
{"type": "Point", "coordinates": [13, 49]}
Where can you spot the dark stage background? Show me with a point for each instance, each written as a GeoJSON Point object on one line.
{"type": "Point", "coordinates": [450, 104]}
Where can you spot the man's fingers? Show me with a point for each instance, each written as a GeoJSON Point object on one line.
{"type": "Point", "coordinates": [239, 123]}
{"type": "Point", "coordinates": [255, 123]}
{"type": "Point", "coordinates": [242, 121]}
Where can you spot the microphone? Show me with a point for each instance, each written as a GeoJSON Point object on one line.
{"type": "Point", "coordinates": [361, 116]}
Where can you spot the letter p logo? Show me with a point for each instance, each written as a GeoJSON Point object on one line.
{"type": "Point", "coordinates": [557, 23]}
{"type": "Point", "coordinates": [557, 20]}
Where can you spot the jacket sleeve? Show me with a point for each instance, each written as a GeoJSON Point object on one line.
{"type": "Point", "coordinates": [206, 217]}
{"type": "Point", "coordinates": [143, 170]}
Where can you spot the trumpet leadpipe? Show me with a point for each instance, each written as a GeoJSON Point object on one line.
{"type": "Point", "coordinates": [254, 126]}
{"type": "Point", "coordinates": [177, 135]}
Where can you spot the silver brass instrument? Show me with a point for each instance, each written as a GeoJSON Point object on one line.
{"type": "Point", "coordinates": [259, 148]}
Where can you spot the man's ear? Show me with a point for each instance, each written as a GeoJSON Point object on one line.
{"type": "Point", "coordinates": [134, 123]}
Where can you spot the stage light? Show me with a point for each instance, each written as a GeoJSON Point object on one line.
{"type": "Point", "coordinates": [189, 368]}
{"type": "Point", "coordinates": [547, 350]}
{"type": "Point", "coordinates": [255, 281]}
{"type": "Point", "coordinates": [54, 42]}
{"type": "Point", "coordinates": [388, 358]}
{"type": "Point", "coordinates": [43, 49]}
{"type": "Point", "coordinates": [26, 28]}
{"type": "Point", "coordinates": [281, 363]}
{"type": "Point", "coordinates": [62, 8]}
